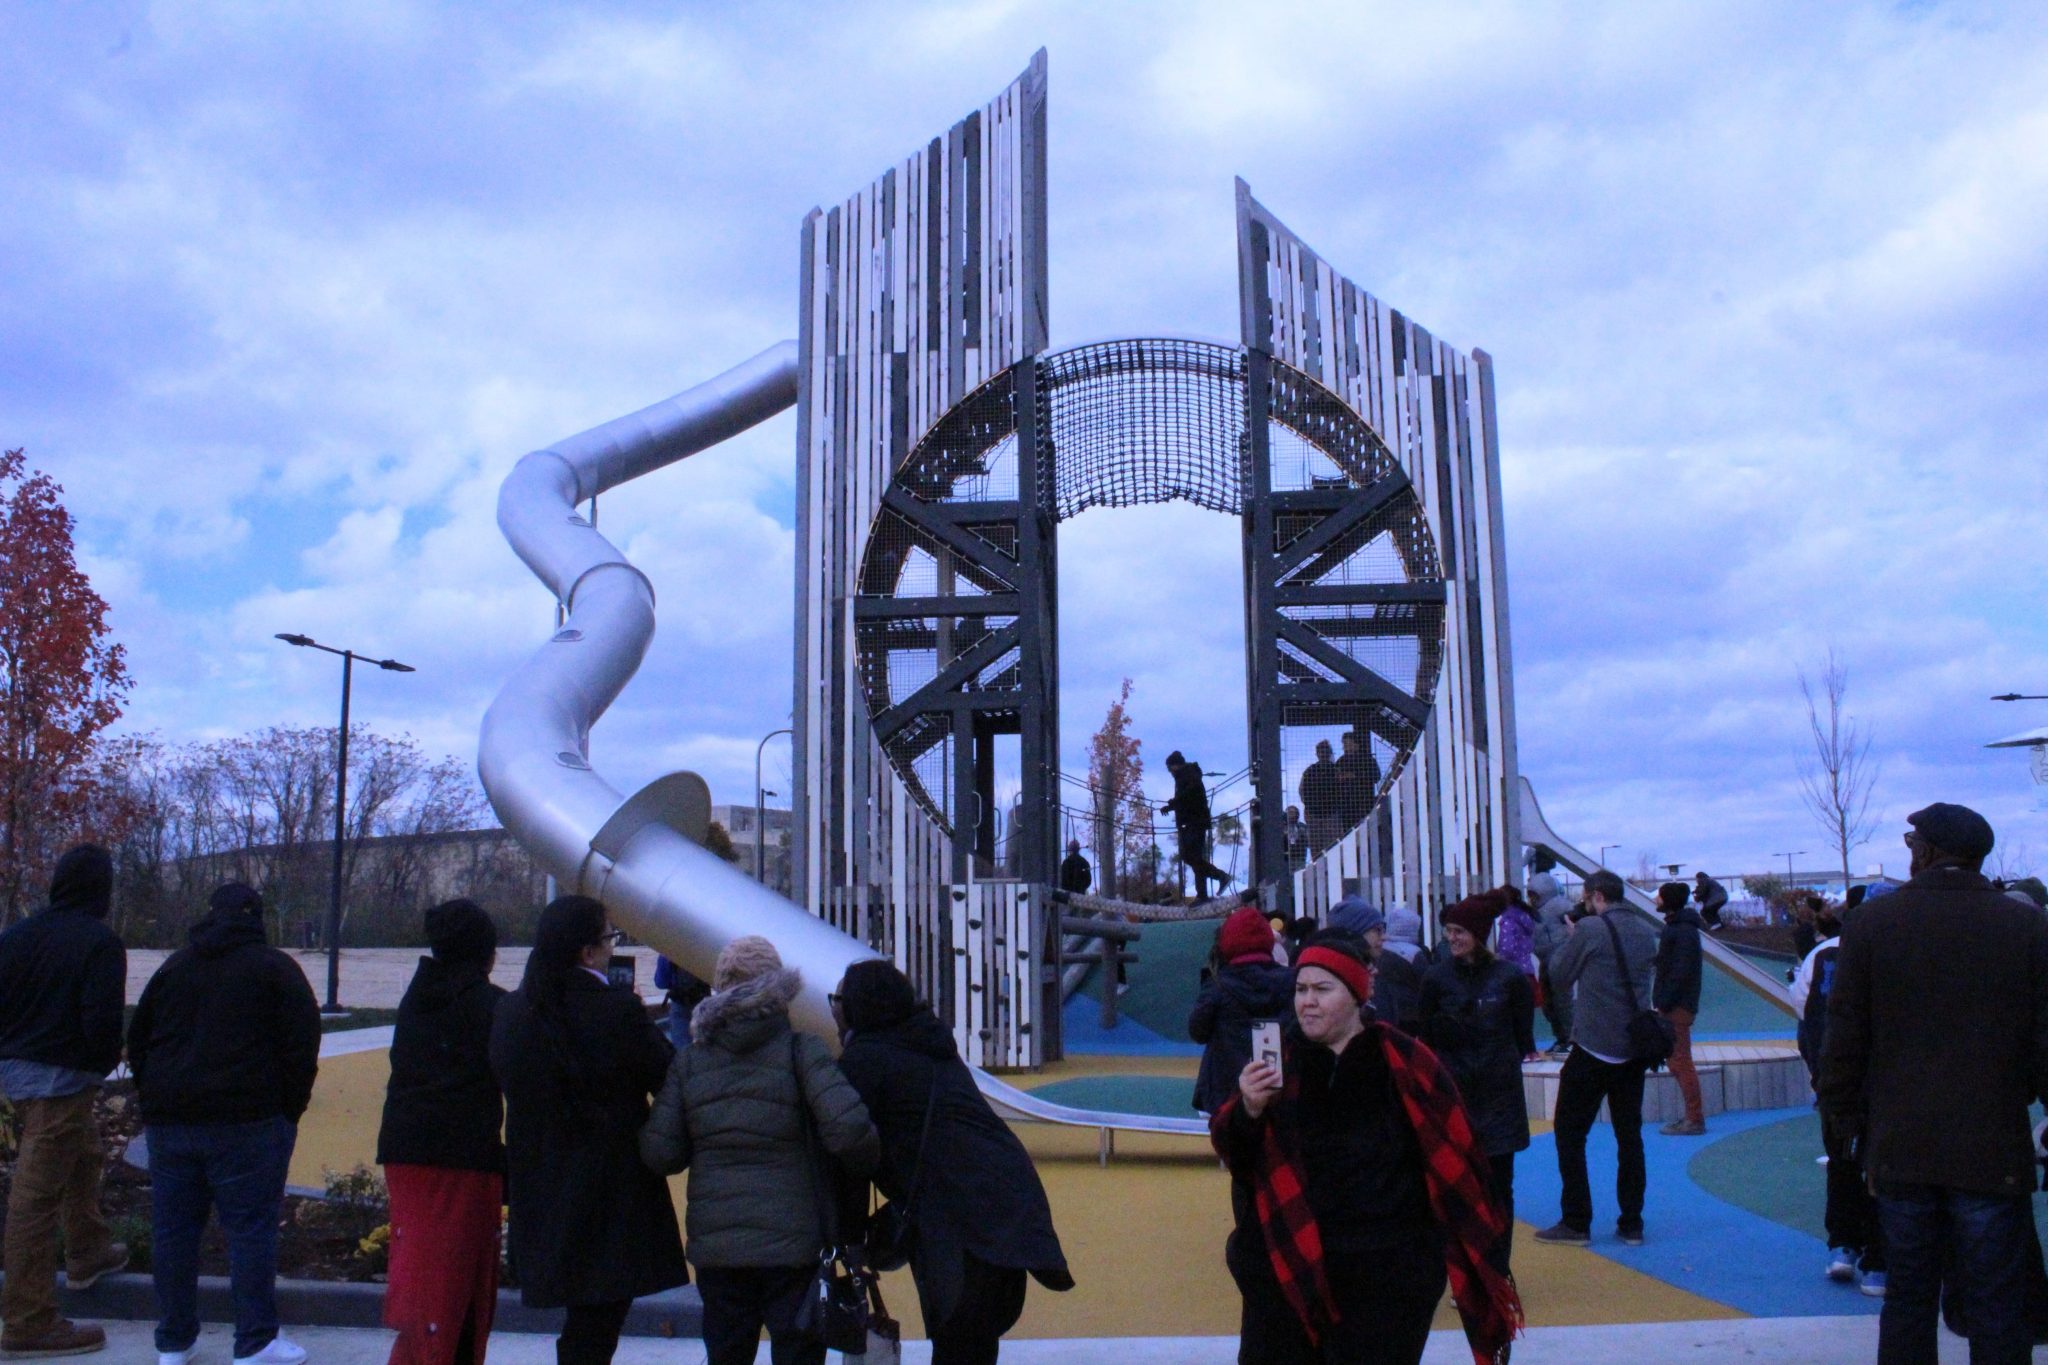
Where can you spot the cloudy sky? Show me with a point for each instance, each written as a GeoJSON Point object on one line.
{"type": "Point", "coordinates": [285, 290]}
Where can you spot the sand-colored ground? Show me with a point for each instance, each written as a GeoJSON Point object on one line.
{"type": "Point", "coordinates": [1144, 1235]}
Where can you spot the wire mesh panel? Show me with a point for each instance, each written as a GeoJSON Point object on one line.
{"type": "Point", "coordinates": [1144, 421]}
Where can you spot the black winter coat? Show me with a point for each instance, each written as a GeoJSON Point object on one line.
{"type": "Point", "coordinates": [64, 980]}
{"type": "Point", "coordinates": [590, 1224]}
{"type": "Point", "coordinates": [1677, 983]}
{"type": "Point", "coordinates": [1937, 1034]}
{"type": "Point", "coordinates": [1397, 991]}
{"type": "Point", "coordinates": [1480, 1019]}
{"type": "Point", "coordinates": [977, 1190]}
{"type": "Point", "coordinates": [1237, 997]}
{"type": "Point", "coordinates": [1190, 805]}
{"type": "Point", "coordinates": [442, 1107]}
{"type": "Point", "coordinates": [227, 1031]}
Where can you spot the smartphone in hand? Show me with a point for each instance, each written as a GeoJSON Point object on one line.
{"type": "Point", "coordinates": [1266, 1043]}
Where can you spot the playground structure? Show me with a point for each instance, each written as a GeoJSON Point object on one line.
{"type": "Point", "coordinates": [939, 445]}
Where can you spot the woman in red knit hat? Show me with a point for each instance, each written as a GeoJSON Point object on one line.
{"type": "Point", "coordinates": [1479, 1013]}
{"type": "Point", "coordinates": [1249, 986]}
{"type": "Point", "coordinates": [1359, 1188]}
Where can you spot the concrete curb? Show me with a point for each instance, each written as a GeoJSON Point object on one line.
{"type": "Point", "coordinates": [324, 1303]}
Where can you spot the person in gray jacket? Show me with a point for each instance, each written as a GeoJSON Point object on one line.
{"type": "Point", "coordinates": [1600, 1067]}
{"type": "Point", "coordinates": [1551, 907]}
{"type": "Point", "coordinates": [734, 1112]}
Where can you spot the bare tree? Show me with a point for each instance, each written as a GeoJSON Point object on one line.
{"type": "Point", "coordinates": [1646, 878]}
{"type": "Point", "coordinates": [1836, 779]}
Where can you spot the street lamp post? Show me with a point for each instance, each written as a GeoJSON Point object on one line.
{"type": "Point", "coordinates": [760, 809]}
{"type": "Point", "coordinates": [348, 660]}
{"type": "Point", "coordinates": [1603, 852]}
{"type": "Point", "coordinates": [1788, 857]}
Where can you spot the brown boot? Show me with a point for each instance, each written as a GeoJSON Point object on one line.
{"type": "Point", "coordinates": [64, 1339]}
{"type": "Point", "coordinates": [113, 1263]}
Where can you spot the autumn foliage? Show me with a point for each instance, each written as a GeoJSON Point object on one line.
{"type": "Point", "coordinates": [1123, 819]}
{"type": "Point", "coordinates": [64, 684]}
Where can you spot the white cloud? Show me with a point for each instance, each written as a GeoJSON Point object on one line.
{"type": "Point", "coordinates": [288, 291]}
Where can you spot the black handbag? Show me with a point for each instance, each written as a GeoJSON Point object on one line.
{"type": "Point", "coordinates": [1651, 1037]}
{"type": "Point", "coordinates": [892, 1231]}
{"type": "Point", "coordinates": [835, 1308]}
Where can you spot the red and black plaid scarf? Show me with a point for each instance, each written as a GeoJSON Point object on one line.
{"type": "Point", "coordinates": [1453, 1169]}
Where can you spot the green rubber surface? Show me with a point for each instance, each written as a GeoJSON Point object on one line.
{"type": "Point", "coordinates": [1165, 980]}
{"type": "Point", "coordinates": [1170, 1097]}
{"type": "Point", "coordinates": [1771, 1172]}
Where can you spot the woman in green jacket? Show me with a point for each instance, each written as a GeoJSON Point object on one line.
{"type": "Point", "coordinates": [734, 1112]}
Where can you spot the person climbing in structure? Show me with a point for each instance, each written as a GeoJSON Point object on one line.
{"type": "Point", "coordinates": [1190, 811]}
{"type": "Point", "coordinates": [1321, 801]}
{"type": "Point", "coordinates": [1358, 780]}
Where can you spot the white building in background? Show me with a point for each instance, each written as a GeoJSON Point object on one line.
{"type": "Point", "coordinates": [746, 838]}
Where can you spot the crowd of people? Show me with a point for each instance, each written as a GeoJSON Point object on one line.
{"type": "Point", "coordinates": [561, 1103]}
{"type": "Point", "coordinates": [1364, 1092]}
{"type": "Point", "coordinates": [1923, 1017]}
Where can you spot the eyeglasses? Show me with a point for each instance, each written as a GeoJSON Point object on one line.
{"type": "Point", "coordinates": [611, 936]}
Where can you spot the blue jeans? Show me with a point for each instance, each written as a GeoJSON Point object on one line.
{"type": "Point", "coordinates": [239, 1170]}
{"type": "Point", "coordinates": [678, 1024]}
{"type": "Point", "coordinates": [1986, 1237]}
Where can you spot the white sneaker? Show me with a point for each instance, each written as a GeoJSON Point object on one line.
{"type": "Point", "coordinates": [184, 1357]}
{"type": "Point", "coordinates": [278, 1352]}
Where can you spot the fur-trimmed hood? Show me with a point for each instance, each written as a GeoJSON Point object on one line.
{"type": "Point", "coordinates": [744, 1016]}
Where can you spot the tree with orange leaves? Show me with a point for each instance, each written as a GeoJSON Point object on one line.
{"type": "Point", "coordinates": [63, 684]}
{"type": "Point", "coordinates": [1123, 818]}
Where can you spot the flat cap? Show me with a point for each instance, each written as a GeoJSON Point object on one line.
{"type": "Point", "coordinates": [1956, 830]}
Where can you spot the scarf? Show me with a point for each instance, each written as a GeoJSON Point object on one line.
{"type": "Point", "coordinates": [1453, 1167]}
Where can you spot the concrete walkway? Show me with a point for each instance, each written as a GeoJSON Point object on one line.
{"type": "Point", "coordinates": [1810, 1341]}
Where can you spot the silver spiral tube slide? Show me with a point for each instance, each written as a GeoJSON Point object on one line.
{"type": "Point", "coordinates": [533, 755]}
{"type": "Point", "coordinates": [534, 752]}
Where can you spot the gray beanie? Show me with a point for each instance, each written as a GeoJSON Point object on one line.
{"type": "Point", "coordinates": [1543, 887]}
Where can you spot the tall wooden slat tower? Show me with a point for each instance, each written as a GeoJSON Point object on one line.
{"type": "Point", "coordinates": [939, 445]}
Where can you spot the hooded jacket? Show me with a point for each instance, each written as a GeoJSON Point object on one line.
{"type": "Point", "coordinates": [590, 1224]}
{"type": "Point", "coordinates": [1239, 995]}
{"type": "Point", "coordinates": [227, 1031]}
{"type": "Point", "coordinates": [977, 1191]}
{"type": "Point", "coordinates": [734, 1110]}
{"type": "Point", "coordinates": [1678, 962]}
{"type": "Point", "coordinates": [442, 1107]}
{"type": "Point", "coordinates": [64, 973]}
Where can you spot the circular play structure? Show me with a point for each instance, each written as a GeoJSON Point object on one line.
{"type": "Point", "coordinates": [1120, 424]}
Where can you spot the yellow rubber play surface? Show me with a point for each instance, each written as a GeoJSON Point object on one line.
{"type": "Point", "coordinates": [1144, 1235]}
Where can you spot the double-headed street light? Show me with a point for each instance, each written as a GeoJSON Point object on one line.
{"type": "Point", "coordinates": [348, 659]}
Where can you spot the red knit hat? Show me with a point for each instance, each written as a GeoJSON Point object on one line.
{"type": "Point", "coordinates": [1476, 914]}
{"type": "Point", "coordinates": [1245, 934]}
{"type": "Point", "coordinates": [1356, 976]}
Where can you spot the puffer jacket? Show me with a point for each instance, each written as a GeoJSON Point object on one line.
{"type": "Point", "coordinates": [1480, 1017]}
{"type": "Point", "coordinates": [1242, 994]}
{"type": "Point", "coordinates": [731, 1112]}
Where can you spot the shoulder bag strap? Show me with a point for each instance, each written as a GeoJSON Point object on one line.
{"type": "Point", "coordinates": [1628, 981]}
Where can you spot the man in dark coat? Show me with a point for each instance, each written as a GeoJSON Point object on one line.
{"type": "Point", "coordinates": [980, 1214]}
{"type": "Point", "coordinates": [1250, 986]}
{"type": "Point", "coordinates": [1937, 1043]}
{"type": "Point", "coordinates": [440, 1146]}
{"type": "Point", "coordinates": [1358, 780]}
{"type": "Point", "coordinates": [225, 1044]}
{"type": "Point", "coordinates": [1676, 995]}
{"type": "Point", "coordinates": [578, 1059]}
{"type": "Point", "coordinates": [63, 977]}
{"type": "Point", "coordinates": [1712, 897]}
{"type": "Point", "coordinates": [1321, 800]}
{"type": "Point", "coordinates": [1191, 819]}
{"type": "Point", "coordinates": [1075, 874]}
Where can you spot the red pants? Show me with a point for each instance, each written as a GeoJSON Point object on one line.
{"type": "Point", "coordinates": [444, 1263]}
{"type": "Point", "coordinates": [1682, 1069]}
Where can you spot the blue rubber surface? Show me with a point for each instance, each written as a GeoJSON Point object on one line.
{"type": "Point", "coordinates": [1694, 1241]}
